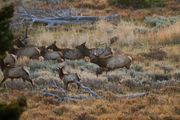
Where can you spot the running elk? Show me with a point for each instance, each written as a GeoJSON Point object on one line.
{"type": "Point", "coordinates": [10, 59]}
{"type": "Point", "coordinates": [51, 55]}
{"type": "Point", "coordinates": [29, 51]}
{"type": "Point", "coordinates": [93, 51]}
{"type": "Point", "coordinates": [68, 78]}
{"type": "Point", "coordinates": [71, 54]}
{"type": "Point", "coordinates": [15, 72]}
{"type": "Point", "coordinates": [113, 62]}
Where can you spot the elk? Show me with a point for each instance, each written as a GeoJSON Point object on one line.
{"type": "Point", "coordinates": [71, 54]}
{"type": "Point", "coordinates": [10, 59]}
{"type": "Point", "coordinates": [93, 51]}
{"type": "Point", "coordinates": [22, 41]}
{"type": "Point", "coordinates": [68, 78]}
{"type": "Point", "coordinates": [51, 55]}
{"type": "Point", "coordinates": [15, 72]}
{"type": "Point", "coordinates": [19, 43]}
{"type": "Point", "coordinates": [29, 51]}
{"type": "Point", "coordinates": [112, 62]}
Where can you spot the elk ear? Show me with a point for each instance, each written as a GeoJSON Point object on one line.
{"type": "Point", "coordinates": [84, 43]}
{"type": "Point", "coordinates": [54, 42]}
{"type": "Point", "coordinates": [62, 67]}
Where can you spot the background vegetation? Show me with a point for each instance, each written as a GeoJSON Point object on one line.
{"type": "Point", "coordinates": [137, 3]}
{"type": "Point", "coordinates": [6, 36]}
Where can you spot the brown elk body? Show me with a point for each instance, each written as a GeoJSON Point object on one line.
{"type": "Point", "coordinates": [71, 54]}
{"type": "Point", "coordinates": [15, 72]}
{"type": "Point", "coordinates": [94, 51]}
{"type": "Point", "coordinates": [30, 51]}
{"type": "Point", "coordinates": [51, 55]}
{"type": "Point", "coordinates": [113, 62]}
{"type": "Point", "coordinates": [68, 78]}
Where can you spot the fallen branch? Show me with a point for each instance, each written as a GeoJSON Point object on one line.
{"type": "Point", "coordinates": [58, 98]}
{"type": "Point", "coordinates": [87, 90]}
{"type": "Point", "coordinates": [63, 20]}
{"type": "Point", "coordinates": [131, 96]}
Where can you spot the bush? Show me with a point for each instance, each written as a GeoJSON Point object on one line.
{"type": "Point", "coordinates": [136, 3]}
{"type": "Point", "coordinates": [6, 36]}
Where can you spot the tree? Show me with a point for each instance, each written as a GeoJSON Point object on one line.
{"type": "Point", "coordinates": [6, 36]}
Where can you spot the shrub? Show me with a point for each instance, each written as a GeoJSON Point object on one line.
{"type": "Point", "coordinates": [136, 3]}
{"type": "Point", "coordinates": [6, 36]}
{"type": "Point", "coordinates": [159, 21]}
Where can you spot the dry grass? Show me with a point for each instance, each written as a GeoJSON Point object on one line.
{"type": "Point", "coordinates": [153, 106]}
{"type": "Point", "coordinates": [146, 74]}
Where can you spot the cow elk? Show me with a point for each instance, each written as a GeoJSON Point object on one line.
{"type": "Point", "coordinates": [68, 78]}
{"type": "Point", "coordinates": [29, 51]}
{"type": "Point", "coordinates": [93, 51]}
{"type": "Point", "coordinates": [113, 62]}
{"type": "Point", "coordinates": [10, 59]}
{"type": "Point", "coordinates": [71, 54]}
{"type": "Point", "coordinates": [51, 55]}
{"type": "Point", "coordinates": [15, 72]}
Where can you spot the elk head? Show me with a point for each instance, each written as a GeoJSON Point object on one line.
{"type": "Point", "coordinates": [53, 46]}
{"type": "Point", "coordinates": [83, 49]}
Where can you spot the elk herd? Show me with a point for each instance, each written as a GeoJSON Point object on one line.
{"type": "Point", "coordinates": [102, 56]}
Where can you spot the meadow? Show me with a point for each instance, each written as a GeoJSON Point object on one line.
{"type": "Point", "coordinates": [152, 39]}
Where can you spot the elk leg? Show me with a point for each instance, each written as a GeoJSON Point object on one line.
{"type": "Point", "coordinates": [4, 79]}
{"type": "Point", "coordinates": [128, 67]}
{"type": "Point", "coordinates": [29, 80]}
{"type": "Point", "coordinates": [66, 86]}
{"type": "Point", "coordinates": [12, 82]}
{"type": "Point", "coordinates": [79, 86]}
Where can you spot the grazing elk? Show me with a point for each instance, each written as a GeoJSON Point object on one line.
{"type": "Point", "coordinates": [112, 62]}
{"type": "Point", "coordinates": [10, 59]}
{"type": "Point", "coordinates": [15, 72]}
{"type": "Point", "coordinates": [29, 51]}
{"type": "Point", "coordinates": [93, 51]}
{"type": "Point", "coordinates": [71, 54]}
{"type": "Point", "coordinates": [68, 78]}
{"type": "Point", "coordinates": [51, 55]}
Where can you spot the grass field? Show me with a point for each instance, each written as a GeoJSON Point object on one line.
{"type": "Point", "coordinates": [155, 68]}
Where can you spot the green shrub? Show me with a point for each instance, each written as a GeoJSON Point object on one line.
{"type": "Point", "coordinates": [6, 36]}
{"type": "Point", "coordinates": [136, 3]}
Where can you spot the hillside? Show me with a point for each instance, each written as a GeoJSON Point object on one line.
{"type": "Point", "coordinates": [149, 90]}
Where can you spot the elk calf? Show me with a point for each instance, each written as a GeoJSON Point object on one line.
{"type": "Point", "coordinates": [113, 62]}
{"type": "Point", "coordinates": [15, 72]}
{"type": "Point", "coordinates": [71, 54]}
{"type": "Point", "coordinates": [68, 78]}
{"type": "Point", "coordinates": [93, 51]}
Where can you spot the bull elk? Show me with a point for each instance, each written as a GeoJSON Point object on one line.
{"type": "Point", "coordinates": [93, 51]}
{"type": "Point", "coordinates": [71, 54]}
{"type": "Point", "coordinates": [15, 72]}
{"type": "Point", "coordinates": [68, 78]}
